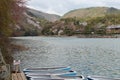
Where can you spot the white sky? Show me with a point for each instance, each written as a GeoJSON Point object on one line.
{"type": "Point", "coordinates": [60, 7]}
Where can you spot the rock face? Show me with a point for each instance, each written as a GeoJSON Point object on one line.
{"type": "Point", "coordinates": [4, 69]}
{"type": "Point", "coordinates": [32, 21]}
{"type": "Point", "coordinates": [27, 25]}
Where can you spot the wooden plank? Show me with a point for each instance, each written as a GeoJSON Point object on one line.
{"type": "Point", "coordinates": [14, 76]}
{"type": "Point", "coordinates": [23, 76]}
{"type": "Point", "coordinates": [19, 76]}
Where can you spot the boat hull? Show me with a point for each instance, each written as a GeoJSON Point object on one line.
{"type": "Point", "coordinates": [46, 69]}
{"type": "Point", "coordinates": [100, 78]}
{"type": "Point", "coordinates": [53, 79]}
{"type": "Point", "coordinates": [74, 73]}
{"type": "Point", "coordinates": [56, 77]}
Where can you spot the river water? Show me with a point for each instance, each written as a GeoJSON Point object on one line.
{"type": "Point", "coordinates": [88, 56]}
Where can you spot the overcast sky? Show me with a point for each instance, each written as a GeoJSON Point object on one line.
{"type": "Point", "coordinates": [60, 7]}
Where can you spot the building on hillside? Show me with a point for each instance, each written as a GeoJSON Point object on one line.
{"type": "Point", "coordinates": [83, 23]}
{"type": "Point", "coordinates": [115, 29]}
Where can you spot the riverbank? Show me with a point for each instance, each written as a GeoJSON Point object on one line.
{"type": "Point", "coordinates": [7, 49]}
{"type": "Point", "coordinates": [86, 36]}
{"type": "Point", "coordinates": [98, 36]}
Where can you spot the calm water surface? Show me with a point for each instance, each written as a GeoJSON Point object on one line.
{"type": "Point", "coordinates": [88, 56]}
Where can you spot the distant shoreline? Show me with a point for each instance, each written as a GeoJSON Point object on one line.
{"type": "Point", "coordinates": [79, 36]}
{"type": "Point", "coordinates": [98, 36]}
{"type": "Point", "coordinates": [87, 36]}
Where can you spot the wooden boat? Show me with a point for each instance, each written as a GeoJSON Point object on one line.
{"type": "Point", "coordinates": [70, 73]}
{"type": "Point", "coordinates": [100, 78]}
{"type": "Point", "coordinates": [46, 69]}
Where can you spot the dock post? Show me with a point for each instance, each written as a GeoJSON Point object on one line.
{"type": "Point", "coordinates": [16, 64]}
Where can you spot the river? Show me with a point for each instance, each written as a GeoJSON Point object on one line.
{"type": "Point", "coordinates": [88, 56]}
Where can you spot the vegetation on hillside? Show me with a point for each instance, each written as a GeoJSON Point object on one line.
{"type": "Point", "coordinates": [82, 21]}
{"type": "Point", "coordinates": [71, 26]}
{"type": "Point", "coordinates": [93, 21]}
{"type": "Point", "coordinates": [33, 23]}
{"type": "Point", "coordinates": [10, 13]}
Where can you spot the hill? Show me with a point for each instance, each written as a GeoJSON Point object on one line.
{"type": "Point", "coordinates": [91, 12]}
{"type": "Point", "coordinates": [80, 21]}
{"type": "Point", "coordinates": [39, 14]}
{"type": "Point", "coordinates": [33, 22]}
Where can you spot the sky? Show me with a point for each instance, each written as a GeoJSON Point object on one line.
{"type": "Point", "coordinates": [61, 7]}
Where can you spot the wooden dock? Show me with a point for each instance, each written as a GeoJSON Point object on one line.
{"type": "Point", "coordinates": [18, 76]}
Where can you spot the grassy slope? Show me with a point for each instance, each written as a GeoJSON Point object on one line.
{"type": "Point", "coordinates": [39, 14]}
{"type": "Point", "coordinates": [91, 12]}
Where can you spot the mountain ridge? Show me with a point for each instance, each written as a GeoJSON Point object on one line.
{"type": "Point", "coordinates": [91, 12]}
{"type": "Point", "coordinates": [87, 19]}
{"type": "Point", "coordinates": [40, 14]}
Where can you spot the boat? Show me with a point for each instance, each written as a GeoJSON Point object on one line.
{"type": "Point", "coordinates": [49, 72]}
{"type": "Point", "coordinates": [69, 77]}
{"type": "Point", "coordinates": [52, 79]}
{"type": "Point", "coordinates": [47, 69]}
{"type": "Point", "coordinates": [38, 76]}
{"type": "Point", "coordinates": [69, 73]}
{"type": "Point", "coordinates": [44, 79]}
{"type": "Point", "coordinates": [57, 77]}
{"type": "Point", "coordinates": [100, 78]}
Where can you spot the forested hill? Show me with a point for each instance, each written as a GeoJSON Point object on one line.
{"type": "Point", "coordinates": [91, 12]}
{"type": "Point", "coordinates": [33, 22]}
{"type": "Point", "coordinates": [83, 21]}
